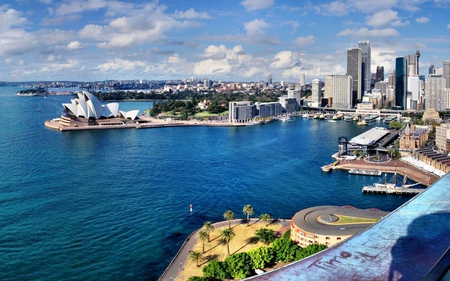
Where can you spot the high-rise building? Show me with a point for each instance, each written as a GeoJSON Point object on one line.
{"type": "Point", "coordinates": [413, 64]}
{"type": "Point", "coordinates": [366, 74]}
{"type": "Point", "coordinates": [380, 74]}
{"type": "Point", "coordinates": [446, 72]}
{"type": "Point", "coordinates": [401, 75]}
{"type": "Point", "coordinates": [435, 94]}
{"type": "Point", "coordinates": [328, 88]}
{"type": "Point", "coordinates": [269, 79]}
{"type": "Point", "coordinates": [302, 81]}
{"type": "Point", "coordinates": [342, 91]}
{"type": "Point", "coordinates": [315, 92]}
{"type": "Point", "coordinates": [354, 69]}
{"type": "Point", "coordinates": [431, 69]}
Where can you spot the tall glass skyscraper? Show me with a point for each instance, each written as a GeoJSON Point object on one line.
{"type": "Point", "coordinates": [401, 74]}
{"type": "Point", "coordinates": [366, 73]}
{"type": "Point", "coordinates": [354, 69]}
{"type": "Point", "coordinates": [446, 72]}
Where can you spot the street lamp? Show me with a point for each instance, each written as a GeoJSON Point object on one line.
{"type": "Point", "coordinates": [181, 264]}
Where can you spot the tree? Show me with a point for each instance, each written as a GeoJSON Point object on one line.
{"type": "Point", "coordinates": [239, 265]}
{"type": "Point", "coordinates": [229, 215]}
{"type": "Point", "coordinates": [285, 249]}
{"type": "Point", "coordinates": [265, 235]}
{"type": "Point", "coordinates": [203, 236]}
{"type": "Point", "coordinates": [261, 257]}
{"type": "Point", "coordinates": [209, 227]}
{"type": "Point", "coordinates": [395, 125]}
{"type": "Point", "coordinates": [195, 256]}
{"type": "Point", "coordinates": [248, 210]}
{"type": "Point", "coordinates": [266, 218]}
{"type": "Point", "coordinates": [216, 269]}
{"type": "Point", "coordinates": [228, 235]}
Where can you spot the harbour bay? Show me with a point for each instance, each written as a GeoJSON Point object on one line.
{"type": "Point", "coordinates": [114, 204]}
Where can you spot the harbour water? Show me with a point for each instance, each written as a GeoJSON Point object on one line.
{"type": "Point", "coordinates": [114, 204]}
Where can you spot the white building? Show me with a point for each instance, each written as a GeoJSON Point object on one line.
{"type": "Point", "coordinates": [296, 95]}
{"type": "Point", "coordinates": [442, 134]}
{"type": "Point", "coordinates": [435, 93]}
{"type": "Point", "coordinates": [342, 91]}
{"type": "Point", "coordinates": [316, 93]}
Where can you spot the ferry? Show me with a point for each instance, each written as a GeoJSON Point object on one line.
{"type": "Point", "coordinates": [349, 118]}
{"type": "Point", "coordinates": [389, 119]}
{"type": "Point", "coordinates": [371, 118]}
{"type": "Point", "coordinates": [338, 116]}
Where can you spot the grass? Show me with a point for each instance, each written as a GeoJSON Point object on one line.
{"type": "Point", "coordinates": [351, 220]}
{"type": "Point", "coordinates": [243, 241]}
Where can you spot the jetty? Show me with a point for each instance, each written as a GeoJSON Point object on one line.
{"type": "Point", "coordinates": [392, 190]}
{"type": "Point", "coordinates": [365, 172]}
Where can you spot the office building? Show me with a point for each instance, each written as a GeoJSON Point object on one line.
{"type": "Point", "coordinates": [316, 95]}
{"type": "Point", "coordinates": [380, 74]}
{"type": "Point", "coordinates": [296, 95]}
{"type": "Point", "coordinates": [435, 93]}
{"type": "Point", "coordinates": [241, 112]}
{"type": "Point", "coordinates": [267, 109]}
{"type": "Point", "coordinates": [446, 73]}
{"type": "Point", "coordinates": [342, 91]}
{"type": "Point", "coordinates": [354, 69]}
{"type": "Point", "coordinates": [302, 81]}
{"type": "Point", "coordinates": [366, 74]}
{"type": "Point", "coordinates": [328, 88]}
{"type": "Point", "coordinates": [269, 79]}
{"type": "Point", "coordinates": [401, 74]}
{"type": "Point", "coordinates": [442, 134]}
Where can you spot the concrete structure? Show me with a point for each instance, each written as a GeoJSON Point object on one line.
{"type": "Point", "coordinates": [366, 74]}
{"type": "Point", "coordinates": [328, 88]}
{"type": "Point", "coordinates": [88, 106]}
{"type": "Point", "coordinates": [367, 140]}
{"type": "Point", "coordinates": [354, 69]}
{"type": "Point", "coordinates": [435, 93]}
{"type": "Point", "coordinates": [413, 137]}
{"type": "Point", "coordinates": [316, 95]}
{"type": "Point", "coordinates": [430, 114]}
{"type": "Point", "coordinates": [291, 93]}
{"type": "Point", "coordinates": [269, 79]}
{"type": "Point", "coordinates": [411, 243]}
{"type": "Point", "coordinates": [241, 112]}
{"type": "Point", "coordinates": [288, 104]}
{"type": "Point", "coordinates": [412, 96]}
{"type": "Point", "coordinates": [446, 72]}
{"type": "Point", "coordinates": [302, 81]}
{"type": "Point", "coordinates": [380, 74]}
{"type": "Point", "coordinates": [442, 136]}
{"type": "Point", "coordinates": [320, 225]}
{"type": "Point", "coordinates": [268, 109]}
{"type": "Point", "coordinates": [342, 91]}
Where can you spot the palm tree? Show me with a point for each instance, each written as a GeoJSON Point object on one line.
{"type": "Point", "coordinates": [229, 215]}
{"type": "Point", "coordinates": [209, 227]}
{"type": "Point", "coordinates": [248, 209]}
{"type": "Point", "coordinates": [195, 256]}
{"type": "Point", "coordinates": [202, 235]}
{"type": "Point", "coordinates": [228, 235]}
{"type": "Point", "coordinates": [266, 218]}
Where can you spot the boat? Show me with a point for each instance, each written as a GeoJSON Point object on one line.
{"type": "Point", "coordinates": [371, 118]}
{"type": "Point", "coordinates": [394, 184]}
{"type": "Point", "coordinates": [362, 123]}
{"type": "Point", "coordinates": [332, 121]}
{"type": "Point", "coordinates": [393, 188]}
{"type": "Point", "coordinates": [348, 118]}
{"type": "Point", "coordinates": [338, 116]}
{"type": "Point", "coordinates": [285, 118]}
{"type": "Point", "coordinates": [356, 117]}
{"type": "Point", "coordinates": [389, 119]}
{"type": "Point", "coordinates": [306, 115]}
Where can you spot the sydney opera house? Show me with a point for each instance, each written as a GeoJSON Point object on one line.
{"type": "Point", "coordinates": [87, 112]}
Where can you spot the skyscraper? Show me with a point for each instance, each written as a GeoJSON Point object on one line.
{"type": "Point", "coordinates": [315, 92]}
{"type": "Point", "coordinates": [354, 69]}
{"type": "Point", "coordinates": [435, 94]}
{"type": "Point", "coordinates": [302, 81]}
{"type": "Point", "coordinates": [380, 73]}
{"type": "Point", "coordinates": [401, 74]}
{"type": "Point", "coordinates": [413, 64]}
{"type": "Point", "coordinates": [269, 79]}
{"type": "Point", "coordinates": [446, 72]}
{"type": "Point", "coordinates": [342, 91]}
{"type": "Point", "coordinates": [366, 74]}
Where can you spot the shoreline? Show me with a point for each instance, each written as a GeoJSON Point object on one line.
{"type": "Point", "coordinates": [144, 122]}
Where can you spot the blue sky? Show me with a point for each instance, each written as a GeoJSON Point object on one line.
{"type": "Point", "coordinates": [227, 40]}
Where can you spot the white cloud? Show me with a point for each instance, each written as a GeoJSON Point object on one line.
{"type": "Point", "coordinates": [256, 27]}
{"type": "Point", "coordinates": [46, 2]}
{"type": "Point", "coordinates": [14, 39]}
{"type": "Point", "coordinates": [120, 64]}
{"type": "Point", "coordinates": [448, 26]}
{"type": "Point", "coordinates": [365, 32]}
{"type": "Point", "coordinates": [305, 41]}
{"type": "Point", "coordinates": [382, 18]}
{"type": "Point", "coordinates": [400, 23]}
{"type": "Point", "coordinates": [285, 59]}
{"type": "Point", "coordinates": [79, 6]}
{"type": "Point", "coordinates": [251, 5]}
{"type": "Point", "coordinates": [74, 45]}
{"type": "Point", "coordinates": [192, 14]}
{"type": "Point", "coordinates": [60, 20]}
{"type": "Point", "coordinates": [422, 20]}
{"type": "Point", "coordinates": [372, 6]}
{"type": "Point", "coordinates": [8, 60]}
{"type": "Point", "coordinates": [336, 8]}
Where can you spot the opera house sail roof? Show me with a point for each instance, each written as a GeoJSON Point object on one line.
{"type": "Point", "coordinates": [88, 106]}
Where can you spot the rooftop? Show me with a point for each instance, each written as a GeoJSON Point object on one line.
{"type": "Point", "coordinates": [369, 137]}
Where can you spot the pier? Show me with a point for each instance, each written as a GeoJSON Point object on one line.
{"type": "Point", "coordinates": [392, 190]}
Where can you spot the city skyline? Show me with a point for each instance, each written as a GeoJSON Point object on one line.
{"type": "Point", "coordinates": [242, 40]}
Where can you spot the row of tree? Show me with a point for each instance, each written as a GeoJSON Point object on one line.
{"type": "Point", "coordinates": [243, 265]}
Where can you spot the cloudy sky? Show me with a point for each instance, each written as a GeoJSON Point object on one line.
{"type": "Point", "coordinates": [228, 40]}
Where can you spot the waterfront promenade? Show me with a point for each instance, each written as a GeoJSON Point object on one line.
{"type": "Point", "coordinates": [391, 166]}
{"type": "Point", "coordinates": [175, 270]}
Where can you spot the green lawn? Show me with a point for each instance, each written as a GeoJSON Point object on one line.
{"type": "Point", "coordinates": [207, 114]}
{"type": "Point", "coordinates": [350, 220]}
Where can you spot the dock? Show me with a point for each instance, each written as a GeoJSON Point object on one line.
{"type": "Point", "coordinates": [392, 190]}
{"type": "Point", "coordinates": [365, 172]}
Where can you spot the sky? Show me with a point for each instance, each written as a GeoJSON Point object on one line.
{"type": "Point", "coordinates": [224, 40]}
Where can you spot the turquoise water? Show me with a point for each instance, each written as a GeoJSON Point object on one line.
{"type": "Point", "coordinates": [114, 204]}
